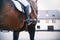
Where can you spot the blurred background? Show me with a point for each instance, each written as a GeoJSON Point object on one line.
{"type": "Point", "coordinates": [48, 25]}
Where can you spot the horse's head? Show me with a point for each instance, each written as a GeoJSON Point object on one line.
{"type": "Point", "coordinates": [33, 14]}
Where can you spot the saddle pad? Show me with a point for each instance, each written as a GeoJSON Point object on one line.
{"type": "Point", "coordinates": [18, 5]}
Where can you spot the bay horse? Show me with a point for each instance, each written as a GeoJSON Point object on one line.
{"type": "Point", "coordinates": [14, 20]}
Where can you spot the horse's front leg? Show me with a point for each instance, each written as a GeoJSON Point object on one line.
{"type": "Point", "coordinates": [31, 30]}
{"type": "Point", "coordinates": [15, 35]}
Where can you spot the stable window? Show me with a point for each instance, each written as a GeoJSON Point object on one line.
{"type": "Point", "coordinates": [38, 27]}
{"type": "Point", "coordinates": [50, 28]}
{"type": "Point", "coordinates": [53, 21]}
{"type": "Point", "coordinates": [38, 21]}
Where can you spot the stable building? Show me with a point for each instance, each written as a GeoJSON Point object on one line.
{"type": "Point", "coordinates": [48, 20]}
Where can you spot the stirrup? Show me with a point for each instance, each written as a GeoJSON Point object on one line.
{"type": "Point", "coordinates": [28, 21]}
{"type": "Point", "coordinates": [33, 19]}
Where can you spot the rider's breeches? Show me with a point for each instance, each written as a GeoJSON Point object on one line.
{"type": "Point", "coordinates": [27, 13]}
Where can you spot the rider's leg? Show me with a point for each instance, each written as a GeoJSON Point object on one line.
{"type": "Point", "coordinates": [27, 12]}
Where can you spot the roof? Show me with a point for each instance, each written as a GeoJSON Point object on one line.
{"type": "Point", "coordinates": [49, 14]}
